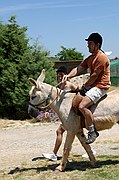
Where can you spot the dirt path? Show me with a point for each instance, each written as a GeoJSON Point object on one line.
{"type": "Point", "coordinates": [20, 142]}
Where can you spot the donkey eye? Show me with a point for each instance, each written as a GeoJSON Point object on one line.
{"type": "Point", "coordinates": [33, 97]}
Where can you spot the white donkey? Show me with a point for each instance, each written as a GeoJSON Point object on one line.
{"type": "Point", "coordinates": [106, 113]}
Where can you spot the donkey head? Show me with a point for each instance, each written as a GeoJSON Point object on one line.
{"type": "Point", "coordinates": [36, 95]}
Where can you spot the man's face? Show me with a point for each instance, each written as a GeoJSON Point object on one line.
{"type": "Point", "coordinates": [60, 76]}
{"type": "Point", "coordinates": [92, 46]}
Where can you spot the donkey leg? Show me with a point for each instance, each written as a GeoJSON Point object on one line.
{"type": "Point", "coordinates": [87, 147]}
{"type": "Point", "coordinates": [67, 147]}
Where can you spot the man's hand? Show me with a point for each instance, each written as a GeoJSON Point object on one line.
{"type": "Point", "coordinates": [83, 87]}
{"type": "Point", "coordinates": [65, 78]}
{"type": "Point", "coordinates": [83, 90]}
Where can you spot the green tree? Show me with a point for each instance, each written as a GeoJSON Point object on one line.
{"type": "Point", "coordinates": [40, 60]}
{"type": "Point", "coordinates": [68, 54]}
{"type": "Point", "coordinates": [19, 61]}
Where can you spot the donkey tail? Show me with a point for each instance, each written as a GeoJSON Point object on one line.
{"type": "Point", "coordinates": [105, 122]}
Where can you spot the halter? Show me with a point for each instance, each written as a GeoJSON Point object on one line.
{"type": "Point", "coordinates": [36, 106]}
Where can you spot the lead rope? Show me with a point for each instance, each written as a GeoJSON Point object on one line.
{"type": "Point", "coordinates": [44, 107]}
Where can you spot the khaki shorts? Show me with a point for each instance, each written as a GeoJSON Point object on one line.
{"type": "Point", "coordinates": [95, 94]}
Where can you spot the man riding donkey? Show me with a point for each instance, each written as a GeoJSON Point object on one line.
{"type": "Point", "coordinates": [66, 86]}
{"type": "Point", "coordinates": [96, 86]}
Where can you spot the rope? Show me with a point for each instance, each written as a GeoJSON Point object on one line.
{"type": "Point", "coordinates": [44, 107]}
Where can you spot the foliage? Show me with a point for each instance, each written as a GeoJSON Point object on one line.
{"type": "Point", "coordinates": [18, 61]}
{"type": "Point", "coordinates": [39, 61]}
{"type": "Point", "coordinates": [67, 54]}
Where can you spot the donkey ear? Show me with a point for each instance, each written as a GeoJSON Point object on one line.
{"type": "Point", "coordinates": [42, 76]}
{"type": "Point", "coordinates": [32, 81]}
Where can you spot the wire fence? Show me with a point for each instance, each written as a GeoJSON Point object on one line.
{"type": "Point", "coordinates": [114, 68]}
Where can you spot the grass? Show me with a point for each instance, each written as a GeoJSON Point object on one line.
{"type": "Point", "coordinates": [6, 123]}
{"type": "Point", "coordinates": [78, 168]}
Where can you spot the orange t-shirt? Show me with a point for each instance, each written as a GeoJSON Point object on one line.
{"type": "Point", "coordinates": [99, 66]}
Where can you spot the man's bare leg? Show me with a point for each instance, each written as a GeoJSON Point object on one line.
{"type": "Point", "coordinates": [58, 141]}
{"type": "Point", "coordinates": [83, 107]}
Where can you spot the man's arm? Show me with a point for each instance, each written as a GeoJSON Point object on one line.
{"type": "Point", "coordinates": [93, 77]}
{"type": "Point", "coordinates": [75, 71]}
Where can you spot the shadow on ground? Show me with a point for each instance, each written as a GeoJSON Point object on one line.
{"type": "Point", "coordinates": [71, 166]}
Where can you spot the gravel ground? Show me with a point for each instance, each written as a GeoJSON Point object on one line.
{"type": "Point", "coordinates": [20, 142]}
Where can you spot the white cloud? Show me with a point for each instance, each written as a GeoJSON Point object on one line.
{"type": "Point", "coordinates": [53, 4]}
{"type": "Point", "coordinates": [95, 17]}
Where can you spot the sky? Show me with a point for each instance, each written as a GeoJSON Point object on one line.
{"type": "Point", "coordinates": [66, 23]}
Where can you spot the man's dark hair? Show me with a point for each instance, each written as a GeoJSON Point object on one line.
{"type": "Point", "coordinates": [62, 69]}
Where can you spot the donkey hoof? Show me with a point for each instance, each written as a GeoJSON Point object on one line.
{"type": "Point", "coordinates": [93, 165]}
{"type": "Point", "coordinates": [59, 169]}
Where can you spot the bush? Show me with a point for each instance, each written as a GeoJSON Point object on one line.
{"type": "Point", "coordinates": [19, 61]}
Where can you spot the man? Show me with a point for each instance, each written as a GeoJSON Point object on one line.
{"type": "Point", "coordinates": [98, 83]}
{"type": "Point", "coordinates": [64, 86]}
